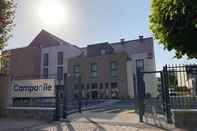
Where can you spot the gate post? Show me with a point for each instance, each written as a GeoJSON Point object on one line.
{"type": "Point", "coordinates": [141, 94]}
{"type": "Point", "coordinates": [57, 104]}
{"type": "Point", "coordinates": [163, 91]}
{"type": "Point", "coordinates": [167, 96]}
{"type": "Point", "coordinates": [79, 95]}
{"type": "Point", "coordinates": [65, 96]}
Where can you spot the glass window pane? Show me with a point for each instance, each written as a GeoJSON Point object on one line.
{"type": "Point", "coordinates": [114, 65]}
{"type": "Point", "coordinates": [45, 73]}
{"type": "Point", "coordinates": [94, 67]}
{"type": "Point", "coordinates": [94, 74]}
{"type": "Point", "coordinates": [140, 65]}
{"type": "Point", "coordinates": [93, 70]}
{"type": "Point", "coordinates": [46, 59]}
{"type": "Point", "coordinates": [60, 73]}
{"type": "Point", "coordinates": [60, 58]}
{"type": "Point", "coordinates": [103, 51]}
{"type": "Point", "coordinates": [114, 73]}
{"type": "Point", "coordinates": [76, 70]}
{"type": "Point", "coordinates": [114, 69]}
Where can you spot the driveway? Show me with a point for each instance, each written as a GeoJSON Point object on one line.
{"type": "Point", "coordinates": [110, 116]}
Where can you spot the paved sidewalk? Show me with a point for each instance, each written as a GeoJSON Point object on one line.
{"type": "Point", "coordinates": [119, 120]}
{"type": "Point", "coordinates": [8, 124]}
{"type": "Point", "coordinates": [114, 120]}
{"type": "Point", "coordinates": [101, 119]}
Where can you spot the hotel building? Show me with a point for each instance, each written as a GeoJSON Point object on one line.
{"type": "Point", "coordinates": [107, 70]}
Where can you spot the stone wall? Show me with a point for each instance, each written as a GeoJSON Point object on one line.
{"type": "Point", "coordinates": [36, 114]}
{"type": "Point", "coordinates": [185, 118]}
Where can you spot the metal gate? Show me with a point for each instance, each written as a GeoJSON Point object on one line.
{"type": "Point", "coordinates": [176, 88]}
{"type": "Point", "coordinates": [152, 107]}
{"type": "Point", "coordinates": [182, 86]}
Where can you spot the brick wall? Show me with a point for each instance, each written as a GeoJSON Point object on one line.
{"type": "Point", "coordinates": [24, 63]}
{"type": "Point", "coordinates": [104, 72]}
{"type": "Point", "coordinates": [4, 84]}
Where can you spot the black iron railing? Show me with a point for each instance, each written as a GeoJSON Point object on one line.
{"type": "Point", "coordinates": [182, 86]}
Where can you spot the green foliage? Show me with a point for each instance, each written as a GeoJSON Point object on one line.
{"type": "Point", "coordinates": [7, 10]}
{"type": "Point", "coordinates": [174, 24]}
{"type": "Point", "coordinates": [4, 64]}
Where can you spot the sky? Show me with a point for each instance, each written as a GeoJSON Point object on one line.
{"type": "Point", "coordinates": [85, 22]}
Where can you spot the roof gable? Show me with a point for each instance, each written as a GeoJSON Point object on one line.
{"type": "Point", "coordinates": [46, 39]}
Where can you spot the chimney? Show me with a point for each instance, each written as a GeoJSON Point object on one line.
{"type": "Point", "coordinates": [141, 37]}
{"type": "Point", "coordinates": [122, 41]}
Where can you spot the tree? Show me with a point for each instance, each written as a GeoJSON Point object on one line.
{"type": "Point", "coordinates": [174, 24]}
{"type": "Point", "coordinates": [7, 11]}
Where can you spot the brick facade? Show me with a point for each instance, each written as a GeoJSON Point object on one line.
{"type": "Point", "coordinates": [24, 63]}
{"type": "Point", "coordinates": [104, 75]}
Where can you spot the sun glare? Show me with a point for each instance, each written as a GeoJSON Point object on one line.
{"type": "Point", "coordinates": [52, 12]}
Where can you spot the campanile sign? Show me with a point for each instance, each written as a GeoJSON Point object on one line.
{"type": "Point", "coordinates": [33, 88]}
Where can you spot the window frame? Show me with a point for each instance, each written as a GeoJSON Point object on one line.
{"type": "Point", "coordinates": [94, 71]}
{"type": "Point", "coordinates": [60, 58]}
{"type": "Point", "coordinates": [60, 74]}
{"type": "Point", "coordinates": [76, 73]}
{"type": "Point", "coordinates": [114, 69]}
{"type": "Point", "coordinates": [46, 59]}
{"type": "Point", "coordinates": [103, 51]}
{"type": "Point", "coordinates": [139, 68]}
{"type": "Point", "coordinates": [45, 74]}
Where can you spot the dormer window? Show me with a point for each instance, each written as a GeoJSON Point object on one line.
{"type": "Point", "coordinates": [103, 51]}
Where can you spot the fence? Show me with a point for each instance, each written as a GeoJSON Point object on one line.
{"type": "Point", "coordinates": [182, 86]}
{"type": "Point", "coordinates": [66, 100]}
{"type": "Point", "coordinates": [178, 90]}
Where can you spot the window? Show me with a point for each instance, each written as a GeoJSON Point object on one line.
{"type": "Point", "coordinates": [106, 85]}
{"type": "Point", "coordinates": [114, 85]}
{"type": "Point", "coordinates": [76, 71]}
{"type": "Point", "coordinates": [87, 86]}
{"type": "Point", "coordinates": [46, 59]}
{"type": "Point", "coordinates": [140, 65]}
{"type": "Point", "coordinates": [94, 86]}
{"type": "Point", "coordinates": [101, 85]}
{"type": "Point", "coordinates": [45, 73]}
{"type": "Point", "coordinates": [60, 73]}
{"type": "Point", "coordinates": [60, 58]}
{"type": "Point", "coordinates": [22, 102]}
{"type": "Point", "coordinates": [103, 51]}
{"type": "Point", "coordinates": [107, 90]}
{"type": "Point", "coordinates": [88, 95]}
{"type": "Point", "coordinates": [93, 70]}
{"type": "Point", "coordinates": [150, 55]}
{"type": "Point", "coordinates": [82, 86]}
{"type": "Point", "coordinates": [114, 91]}
{"type": "Point", "coordinates": [114, 69]}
